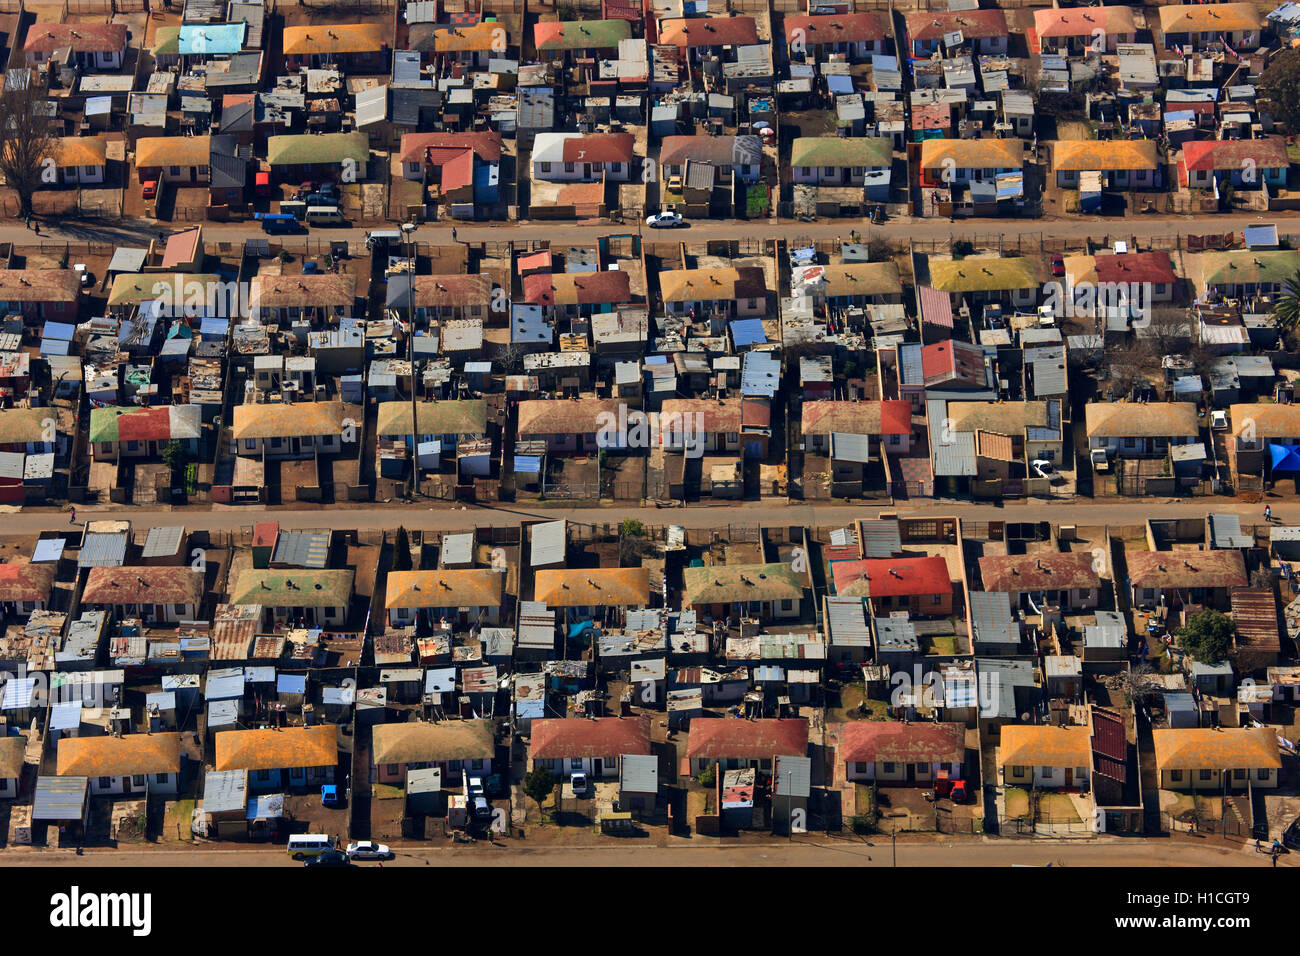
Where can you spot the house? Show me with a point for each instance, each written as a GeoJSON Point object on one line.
{"type": "Point", "coordinates": [843, 161]}
{"type": "Point", "coordinates": [1070, 579]}
{"type": "Point", "coordinates": [764, 591]}
{"type": "Point", "coordinates": [583, 157]}
{"type": "Point", "coordinates": [921, 586]}
{"type": "Point", "coordinates": [1245, 163]}
{"type": "Point", "coordinates": [733, 743]}
{"type": "Point", "coordinates": [296, 430]}
{"type": "Point", "coordinates": [580, 39]}
{"type": "Point", "coordinates": [26, 587]}
{"type": "Point", "coordinates": [1076, 31]}
{"type": "Point", "coordinates": [591, 746]}
{"type": "Point", "coordinates": [441, 297]}
{"type": "Point", "coordinates": [462, 170]}
{"type": "Point", "coordinates": [738, 156]}
{"type": "Point", "coordinates": [702, 37]}
{"type": "Point", "coordinates": [332, 157]}
{"type": "Point", "coordinates": [1046, 756]}
{"type": "Point", "coordinates": [888, 424]}
{"type": "Point", "coordinates": [314, 299]}
{"type": "Point", "coordinates": [300, 758]}
{"type": "Point", "coordinates": [466, 597]}
{"type": "Point", "coordinates": [173, 159]}
{"type": "Point", "coordinates": [1140, 430]}
{"type": "Point", "coordinates": [448, 422]}
{"type": "Point", "coordinates": [701, 425]}
{"type": "Point", "coordinates": [125, 764]}
{"type": "Point", "coordinates": [589, 593]}
{"type": "Point", "coordinates": [453, 746]}
{"type": "Point", "coordinates": [300, 597]}
{"type": "Point", "coordinates": [1093, 283]}
{"type": "Point", "coordinates": [1217, 758]}
{"type": "Point", "coordinates": [727, 292]}
{"type": "Point", "coordinates": [93, 47]}
{"type": "Point", "coordinates": [350, 47]}
{"type": "Point", "coordinates": [1010, 281]}
{"type": "Point", "coordinates": [1205, 26]}
{"type": "Point", "coordinates": [890, 753]}
{"type": "Point", "coordinates": [981, 177]}
{"type": "Point", "coordinates": [1185, 576]}
{"type": "Point", "coordinates": [469, 46]}
{"type": "Point", "coordinates": [29, 431]}
{"type": "Point", "coordinates": [41, 294]}
{"type": "Point", "coordinates": [985, 30]}
{"type": "Point", "coordinates": [119, 432]}
{"type": "Point", "coordinates": [1265, 440]}
{"type": "Point", "coordinates": [856, 35]}
{"type": "Point", "coordinates": [80, 160]}
{"type": "Point", "coordinates": [156, 593]}
{"type": "Point", "coordinates": [1124, 163]}
{"type": "Point", "coordinates": [1242, 273]}
{"type": "Point", "coordinates": [569, 426]}
{"type": "Point", "coordinates": [574, 294]}
{"type": "Point", "coordinates": [1020, 432]}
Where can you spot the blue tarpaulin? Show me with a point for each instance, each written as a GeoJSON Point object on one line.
{"type": "Point", "coordinates": [580, 628]}
{"type": "Point", "coordinates": [1285, 457]}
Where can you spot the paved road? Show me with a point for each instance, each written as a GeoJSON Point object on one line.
{"type": "Point", "coordinates": [424, 515]}
{"type": "Point", "coordinates": [840, 852]}
{"type": "Point", "coordinates": [137, 230]}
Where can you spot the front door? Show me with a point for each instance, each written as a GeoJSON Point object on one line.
{"type": "Point", "coordinates": [1069, 776]}
{"type": "Point", "coordinates": [597, 767]}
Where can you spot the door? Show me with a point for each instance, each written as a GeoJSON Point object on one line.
{"type": "Point", "coordinates": [1069, 776]}
{"type": "Point", "coordinates": [598, 767]}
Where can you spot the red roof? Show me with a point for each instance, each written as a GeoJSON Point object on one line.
{"type": "Point", "coordinates": [589, 288]}
{"type": "Point", "coordinates": [1153, 267]}
{"type": "Point", "coordinates": [709, 31]}
{"type": "Point", "coordinates": [1231, 155]}
{"type": "Point", "coordinates": [1109, 744]}
{"type": "Point", "coordinates": [756, 412]}
{"type": "Point", "coordinates": [599, 148]}
{"type": "Point", "coordinates": [78, 37]}
{"type": "Point", "coordinates": [567, 737]}
{"type": "Point", "coordinates": [265, 533]}
{"type": "Point", "coordinates": [145, 424]}
{"type": "Point", "coordinates": [838, 28]}
{"type": "Point", "coordinates": [486, 145]}
{"type": "Point", "coordinates": [881, 741]}
{"type": "Point", "coordinates": [973, 24]}
{"type": "Point", "coordinates": [538, 260]}
{"type": "Point", "coordinates": [895, 577]}
{"type": "Point", "coordinates": [952, 361]}
{"type": "Point", "coordinates": [729, 737]}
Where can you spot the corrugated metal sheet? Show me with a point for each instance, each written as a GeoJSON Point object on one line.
{"type": "Point", "coordinates": [991, 620]}
{"type": "Point", "coordinates": [163, 542]}
{"type": "Point", "coordinates": [639, 774]}
{"type": "Point", "coordinates": [880, 538]}
{"type": "Point", "coordinates": [955, 457]}
{"type": "Point", "coordinates": [225, 791]}
{"type": "Point", "coordinates": [103, 550]}
{"type": "Point", "coordinates": [549, 543]}
{"type": "Point", "coordinates": [59, 799]}
{"type": "Point", "coordinates": [792, 776]}
{"type": "Point", "coordinates": [302, 549]}
{"type": "Point", "coordinates": [1225, 532]}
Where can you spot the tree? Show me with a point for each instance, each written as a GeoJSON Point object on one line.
{"type": "Point", "coordinates": [1207, 636]}
{"type": "Point", "coordinates": [1278, 89]}
{"type": "Point", "coordinates": [539, 783]}
{"type": "Point", "coordinates": [174, 456]}
{"type": "Point", "coordinates": [1286, 311]}
{"type": "Point", "coordinates": [26, 142]}
{"type": "Point", "coordinates": [402, 550]}
{"type": "Point", "coordinates": [709, 775]}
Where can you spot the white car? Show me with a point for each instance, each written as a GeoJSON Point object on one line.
{"type": "Point", "coordinates": [368, 850]}
{"type": "Point", "coordinates": [578, 782]}
{"type": "Point", "coordinates": [665, 220]}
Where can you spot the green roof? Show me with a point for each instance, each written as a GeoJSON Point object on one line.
{"type": "Point", "coordinates": [310, 588]}
{"type": "Point", "coordinates": [305, 148]}
{"type": "Point", "coordinates": [582, 34]}
{"type": "Point", "coordinates": [456, 417]}
{"type": "Point", "coordinates": [842, 151]}
{"type": "Point", "coordinates": [983, 275]}
{"type": "Point", "coordinates": [1246, 265]}
{"type": "Point", "coordinates": [728, 583]}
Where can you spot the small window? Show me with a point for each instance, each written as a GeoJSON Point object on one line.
{"type": "Point", "coordinates": [568, 167]}
{"type": "Point", "coordinates": [1261, 774]}
{"type": "Point", "coordinates": [105, 782]}
{"type": "Point", "coordinates": [1206, 774]}
{"type": "Point", "coordinates": [575, 763]}
{"type": "Point", "coordinates": [546, 167]}
{"type": "Point", "coordinates": [394, 768]}
{"type": "Point", "coordinates": [160, 778]}
{"type": "Point", "coordinates": [138, 780]}
{"type": "Point", "coordinates": [889, 766]}
{"type": "Point", "coordinates": [787, 604]}
{"type": "Point", "coordinates": [180, 608]}
{"type": "Point", "coordinates": [860, 767]}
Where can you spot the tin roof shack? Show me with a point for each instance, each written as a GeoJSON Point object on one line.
{"type": "Point", "coordinates": [902, 754]}
{"type": "Point", "coordinates": [592, 746]}
{"type": "Point", "coordinates": [1217, 759]}
{"type": "Point", "coordinates": [63, 802]}
{"type": "Point", "coordinates": [452, 746]}
{"type": "Point", "coordinates": [279, 758]}
{"type": "Point", "coordinates": [847, 632]}
{"type": "Point", "coordinates": [733, 743]}
{"type": "Point", "coordinates": [129, 764]}
{"type": "Point", "coordinates": [1257, 638]}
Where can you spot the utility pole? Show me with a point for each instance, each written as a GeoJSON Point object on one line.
{"type": "Point", "coordinates": [408, 230]}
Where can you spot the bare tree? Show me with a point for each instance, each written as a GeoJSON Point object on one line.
{"type": "Point", "coordinates": [1139, 684]}
{"type": "Point", "coordinates": [27, 144]}
{"type": "Point", "coordinates": [1126, 368]}
{"type": "Point", "coordinates": [1169, 330]}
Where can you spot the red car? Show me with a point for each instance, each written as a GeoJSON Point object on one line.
{"type": "Point", "coordinates": [262, 185]}
{"type": "Point", "coordinates": [150, 190]}
{"type": "Point", "coordinates": [1058, 265]}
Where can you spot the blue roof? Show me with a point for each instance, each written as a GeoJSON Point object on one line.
{"type": "Point", "coordinates": [266, 806]}
{"type": "Point", "coordinates": [291, 684]}
{"type": "Point", "coordinates": [748, 332]}
{"type": "Point", "coordinates": [58, 330]}
{"type": "Point", "coordinates": [208, 38]}
{"type": "Point", "coordinates": [48, 549]}
{"type": "Point", "coordinates": [528, 464]}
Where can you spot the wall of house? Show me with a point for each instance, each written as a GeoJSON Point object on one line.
{"type": "Point", "coordinates": [563, 767]}
{"type": "Point", "coordinates": [394, 774]}
{"type": "Point", "coordinates": [294, 778]}
{"type": "Point", "coordinates": [404, 616]}
{"type": "Point", "coordinates": [1213, 779]}
{"type": "Point", "coordinates": [890, 772]}
{"type": "Point", "coordinates": [164, 783]}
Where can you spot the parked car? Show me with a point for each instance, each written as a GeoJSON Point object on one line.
{"type": "Point", "coordinates": [368, 850]}
{"type": "Point", "coordinates": [149, 190]}
{"type": "Point", "coordinates": [1219, 419]}
{"type": "Point", "coordinates": [477, 797]}
{"type": "Point", "coordinates": [329, 858]}
{"type": "Point", "coordinates": [1058, 265]}
{"type": "Point", "coordinates": [579, 783]}
{"type": "Point", "coordinates": [665, 220]}
{"type": "Point", "coordinates": [329, 795]}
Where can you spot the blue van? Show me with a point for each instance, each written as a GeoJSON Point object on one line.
{"type": "Point", "coordinates": [279, 222]}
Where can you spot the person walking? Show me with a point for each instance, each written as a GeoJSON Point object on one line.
{"type": "Point", "coordinates": [1268, 512]}
{"type": "Point", "coordinates": [453, 233]}
{"type": "Point", "coordinates": [72, 516]}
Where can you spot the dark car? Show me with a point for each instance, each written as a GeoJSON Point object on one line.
{"type": "Point", "coordinates": [329, 858]}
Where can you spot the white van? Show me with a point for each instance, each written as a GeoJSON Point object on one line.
{"type": "Point", "coordinates": [303, 845]}
{"type": "Point", "coordinates": [325, 216]}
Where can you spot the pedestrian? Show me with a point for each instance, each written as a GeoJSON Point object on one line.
{"type": "Point", "coordinates": [453, 233]}
{"type": "Point", "coordinates": [1268, 512]}
{"type": "Point", "coordinates": [36, 226]}
{"type": "Point", "coordinates": [1275, 856]}
{"type": "Point", "coordinates": [27, 221]}
{"type": "Point", "coordinates": [72, 516]}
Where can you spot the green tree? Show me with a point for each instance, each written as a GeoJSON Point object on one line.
{"type": "Point", "coordinates": [402, 550]}
{"type": "Point", "coordinates": [1207, 635]}
{"type": "Point", "coordinates": [174, 456]}
{"type": "Point", "coordinates": [539, 783]}
{"type": "Point", "coordinates": [709, 775]}
{"type": "Point", "coordinates": [1278, 89]}
{"type": "Point", "coordinates": [1286, 311]}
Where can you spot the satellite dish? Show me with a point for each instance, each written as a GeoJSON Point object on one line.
{"type": "Point", "coordinates": [1025, 718]}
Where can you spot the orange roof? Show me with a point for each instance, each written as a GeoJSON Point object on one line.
{"type": "Point", "coordinates": [1081, 21]}
{"type": "Point", "coordinates": [1045, 746]}
{"type": "Point", "coordinates": [119, 756]}
{"type": "Point", "coordinates": [316, 746]}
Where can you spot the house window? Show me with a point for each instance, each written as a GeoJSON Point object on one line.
{"type": "Point", "coordinates": [250, 444]}
{"type": "Point", "coordinates": [160, 778]}
{"type": "Point", "coordinates": [1176, 776]}
{"type": "Point", "coordinates": [937, 599]}
{"type": "Point", "coordinates": [173, 170]}
{"type": "Point", "coordinates": [1238, 774]}
{"type": "Point", "coordinates": [1261, 774]}
{"type": "Point", "coordinates": [546, 167]}
{"type": "Point", "coordinates": [830, 170]}
{"type": "Point", "coordinates": [1206, 774]}
{"type": "Point", "coordinates": [179, 608]}
{"type": "Point", "coordinates": [575, 763]}
{"type": "Point", "coordinates": [138, 780]}
{"type": "Point", "coordinates": [786, 604]}
{"type": "Point", "coordinates": [394, 768]}
{"type": "Point", "coordinates": [568, 167]}
{"type": "Point", "coordinates": [889, 766]}
{"type": "Point", "coordinates": [807, 170]}
{"type": "Point", "coordinates": [476, 765]}
{"type": "Point", "coordinates": [105, 782]}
